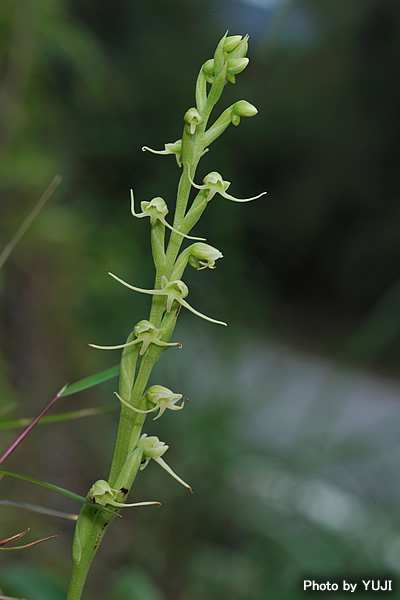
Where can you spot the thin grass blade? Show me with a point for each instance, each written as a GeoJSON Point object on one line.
{"type": "Point", "coordinates": [56, 488]}
{"type": "Point", "coordinates": [40, 509]}
{"type": "Point", "coordinates": [88, 382]}
{"type": "Point", "coordinates": [66, 416]}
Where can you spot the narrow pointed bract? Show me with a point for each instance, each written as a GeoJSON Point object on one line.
{"type": "Point", "coordinates": [153, 448]}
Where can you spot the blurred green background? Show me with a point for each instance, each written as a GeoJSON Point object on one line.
{"type": "Point", "coordinates": [290, 439]}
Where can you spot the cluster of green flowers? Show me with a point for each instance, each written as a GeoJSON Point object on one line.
{"type": "Point", "coordinates": [149, 338]}
{"type": "Point", "coordinates": [229, 60]}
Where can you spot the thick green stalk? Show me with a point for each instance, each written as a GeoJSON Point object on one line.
{"type": "Point", "coordinates": [91, 527]}
{"type": "Point", "coordinates": [95, 526]}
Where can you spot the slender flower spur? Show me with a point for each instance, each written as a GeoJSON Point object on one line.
{"type": "Point", "coordinates": [154, 449]}
{"type": "Point", "coordinates": [171, 148]}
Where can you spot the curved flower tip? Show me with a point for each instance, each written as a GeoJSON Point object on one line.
{"type": "Point", "coordinates": [167, 468]}
{"type": "Point", "coordinates": [170, 148]}
{"type": "Point", "coordinates": [214, 183]}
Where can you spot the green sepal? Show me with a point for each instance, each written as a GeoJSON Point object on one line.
{"type": "Point", "coordinates": [201, 91]}
{"type": "Point", "coordinates": [219, 57]}
{"type": "Point", "coordinates": [240, 49]}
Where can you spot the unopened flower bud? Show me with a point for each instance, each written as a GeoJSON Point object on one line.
{"type": "Point", "coordinates": [193, 118]}
{"type": "Point", "coordinates": [242, 108]}
{"type": "Point", "coordinates": [231, 42]}
{"type": "Point", "coordinates": [208, 67]}
{"type": "Point", "coordinates": [237, 65]}
{"type": "Point", "coordinates": [240, 49]}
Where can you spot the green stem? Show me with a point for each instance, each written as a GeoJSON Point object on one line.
{"type": "Point", "coordinates": [92, 524]}
{"type": "Point", "coordinates": [130, 423]}
{"type": "Point", "coordinates": [89, 532]}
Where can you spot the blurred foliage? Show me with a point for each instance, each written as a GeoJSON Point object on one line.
{"type": "Point", "coordinates": [83, 86]}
